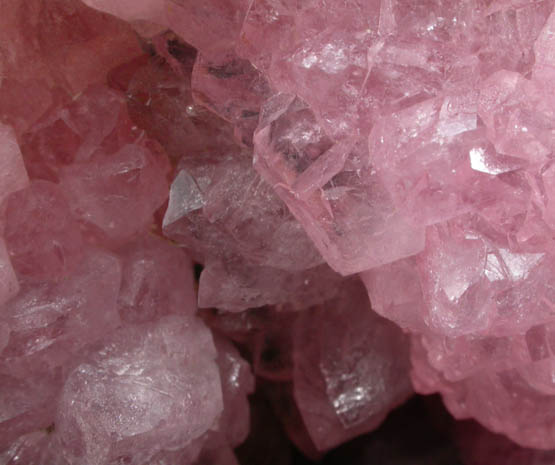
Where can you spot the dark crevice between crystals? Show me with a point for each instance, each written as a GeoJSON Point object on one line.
{"type": "Point", "coordinates": [418, 433]}
{"type": "Point", "coordinates": [198, 270]}
{"type": "Point", "coordinates": [181, 51]}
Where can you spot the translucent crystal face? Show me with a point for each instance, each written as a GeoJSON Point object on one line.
{"type": "Point", "coordinates": [357, 193]}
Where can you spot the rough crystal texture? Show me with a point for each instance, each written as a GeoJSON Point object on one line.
{"type": "Point", "coordinates": [102, 357]}
{"type": "Point", "coordinates": [349, 368]}
{"type": "Point", "coordinates": [332, 189]}
{"type": "Point", "coordinates": [113, 177]}
{"type": "Point", "coordinates": [43, 238]}
{"type": "Point", "coordinates": [28, 405]}
{"type": "Point", "coordinates": [236, 285]}
{"type": "Point", "coordinates": [237, 384]}
{"type": "Point", "coordinates": [141, 391]}
{"type": "Point", "coordinates": [50, 321]}
{"type": "Point", "coordinates": [483, 335]}
{"type": "Point", "coordinates": [327, 382]}
{"type": "Point", "coordinates": [157, 280]}
{"type": "Point", "coordinates": [280, 145]}
{"type": "Point", "coordinates": [231, 87]}
{"type": "Point", "coordinates": [70, 48]}
{"type": "Point", "coordinates": [118, 195]}
{"type": "Point", "coordinates": [229, 202]}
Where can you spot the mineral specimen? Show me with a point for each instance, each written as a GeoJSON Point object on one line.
{"type": "Point", "coordinates": [141, 391]}
{"type": "Point", "coordinates": [204, 200]}
{"type": "Point", "coordinates": [346, 377]}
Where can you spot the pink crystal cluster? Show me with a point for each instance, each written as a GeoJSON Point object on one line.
{"type": "Point", "coordinates": [307, 155]}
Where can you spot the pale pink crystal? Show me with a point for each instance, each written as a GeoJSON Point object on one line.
{"type": "Point", "coordinates": [217, 198]}
{"type": "Point", "coordinates": [395, 293]}
{"type": "Point", "coordinates": [431, 159]}
{"type": "Point", "coordinates": [267, 258]}
{"type": "Point", "coordinates": [332, 189]}
{"type": "Point", "coordinates": [388, 59]}
{"type": "Point", "coordinates": [349, 368]}
{"type": "Point", "coordinates": [157, 280]}
{"type": "Point", "coordinates": [308, 354]}
{"type": "Point", "coordinates": [144, 389]}
{"type": "Point", "coordinates": [13, 175]}
{"type": "Point", "coordinates": [237, 384]}
{"type": "Point", "coordinates": [517, 393]}
{"type": "Point", "coordinates": [151, 10]}
{"type": "Point", "coordinates": [236, 285]}
{"type": "Point", "coordinates": [408, 141]}
{"type": "Point", "coordinates": [544, 67]}
{"type": "Point", "coordinates": [88, 129]}
{"type": "Point", "coordinates": [42, 236]}
{"type": "Point", "coordinates": [28, 405]}
{"type": "Point", "coordinates": [9, 286]}
{"type": "Point", "coordinates": [215, 446]}
{"type": "Point", "coordinates": [499, 344]}
{"type": "Point", "coordinates": [208, 25]}
{"type": "Point", "coordinates": [231, 87]}
{"type": "Point", "coordinates": [491, 281]}
{"type": "Point", "coordinates": [224, 200]}
{"type": "Point", "coordinates": [518, 117]}
{"type": "Point", "coordinates": [116, 196]}
{"type": "Point", "coordinates": [466, 265]}
{"type": "Point", "coordinates": [51, 321]}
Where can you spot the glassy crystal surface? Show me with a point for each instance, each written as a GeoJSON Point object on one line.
{"type": "Point", "coordinates": [217, 212]}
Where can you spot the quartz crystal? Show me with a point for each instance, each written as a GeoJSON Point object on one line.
{"type": "Point", "coordinates": [234, 223]}
{"type": "Point", "coordinates": [13, 173]}
{"type": "Point", "coordinates": [43, 238]}
{"type": "Point", "coordinates": [339, 378]}
{"type": "Point", "coordinates": [141, 391]}
{"type": "Point", "coordinates": [347, 376]}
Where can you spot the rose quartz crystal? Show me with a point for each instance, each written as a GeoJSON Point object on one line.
{"type": "Point", "coordinates": [49, 321]}
{"type": "Point", "coordinates": [277, 147]}
{"type": "Point", "coordinates": [43, 238]}
{"type": "Point", "coordinates": [328, 383]}
{"type": "Point", "coordinates": [28, 405]}
{"type": "Point", "coordinates": [207, 25]}
{"type": "Point", "coordinates": [332, 189]}
{"type": "Point", "coordinates": [349, 368]}
{"type": "Point", "coordinates": [9, 286]}
{"type": "Point", "coordinates": [157, 280]}
{"type": "Point", "coordinates": [232, 88]}
{"type": "Point", "coordinates": [141, 391]}
{"type": "Point", "coordinates": [237, 384]}
{"type": "Point", "coordinates": [50, 60]}
{"type": "Point", "coordinates": [499, 347]}
{"type": "Point", "coordinates": [254, 252]}
{"type": "Point", "coordinates": [13, 175]}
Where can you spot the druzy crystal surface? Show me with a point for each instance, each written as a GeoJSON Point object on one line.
{"type": "Point", "coordinates": [228, 223]}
